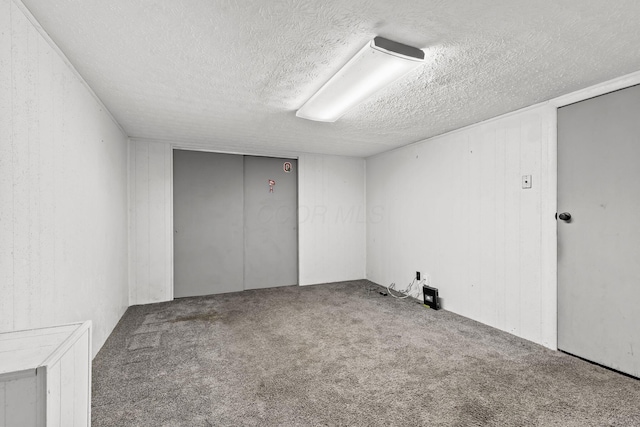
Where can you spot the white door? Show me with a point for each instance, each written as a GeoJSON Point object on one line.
{"type": "Point", "coordinates": [599, 245]}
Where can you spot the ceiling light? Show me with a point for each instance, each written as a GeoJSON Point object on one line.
{"type": "Point", "coordinates": [378, 64]}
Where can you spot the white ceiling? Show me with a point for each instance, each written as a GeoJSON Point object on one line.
{"type": "Point", "coordinates": [230, 74]}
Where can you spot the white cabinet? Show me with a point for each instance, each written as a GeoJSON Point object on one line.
{"type": "Point", "coordinates": [45, 377]}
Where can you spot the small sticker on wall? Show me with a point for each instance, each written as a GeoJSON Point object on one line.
{"type": "Point", "coordinates": [271, 184]}
{"type": "Point", "coordinates": [287, 167]}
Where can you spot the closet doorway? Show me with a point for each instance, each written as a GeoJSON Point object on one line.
{"type": "Point", "coordinates": [235, 222]}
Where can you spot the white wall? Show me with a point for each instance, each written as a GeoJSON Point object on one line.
{"type": "Point", "coordinates": [332, 218]}
{"type": "Point", "coordinates": [150, 222]}
{"type": "Point", "coordinates": [453, 208]}
{"type": "Point", "coordinates": [63, 190]}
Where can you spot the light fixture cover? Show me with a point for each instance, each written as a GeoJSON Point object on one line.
{"type": "Point", "coordinates": [378, 64]}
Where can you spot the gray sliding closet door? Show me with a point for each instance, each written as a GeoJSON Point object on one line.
{"type": "Point", "coordinates": [208, 223]}
{"type": "Point", "coordinates": [271, 223]}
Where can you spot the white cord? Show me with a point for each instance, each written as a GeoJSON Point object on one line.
{"type": "Point", "coordinates": [406, 292]}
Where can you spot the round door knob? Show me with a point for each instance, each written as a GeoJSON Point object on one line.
{"type": "Point", "coordinates": [565, 216]}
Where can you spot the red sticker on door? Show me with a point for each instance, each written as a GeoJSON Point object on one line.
{"type": "Point", "coordinates": [271, 184]}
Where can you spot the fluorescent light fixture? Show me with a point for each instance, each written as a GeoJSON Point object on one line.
{"type": "Point", "coordinates": [378, 64]}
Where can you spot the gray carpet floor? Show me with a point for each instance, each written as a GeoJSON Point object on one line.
{"type": "Point", "coordinates": [339, 355]}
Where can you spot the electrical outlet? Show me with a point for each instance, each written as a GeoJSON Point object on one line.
{"type": "Point", "coordinates": [417, 275]}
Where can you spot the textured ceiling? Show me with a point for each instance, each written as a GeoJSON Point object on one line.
{"type": "Point", "coordinates": [231, 74]}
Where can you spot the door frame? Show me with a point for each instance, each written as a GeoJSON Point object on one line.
{"type": "Point", "coordinates": [170, 225]}
{"type": "Point", "coordinates": [599, 89]}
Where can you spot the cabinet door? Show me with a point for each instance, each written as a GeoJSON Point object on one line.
{"type": "Point", "coordinates": [19, 399]}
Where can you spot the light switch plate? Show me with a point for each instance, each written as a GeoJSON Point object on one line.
{"type": "Point", "coordinates": [526, 181]}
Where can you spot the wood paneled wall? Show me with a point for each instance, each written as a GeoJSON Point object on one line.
{"type": "Point", "coordinates": [150, 222]}
{"type": "Point", "coordinates": [63, 190]}
{"type": "Point", "coordinates": [332, 218]}
{"type": "Point", "coordinates": [453, 207]}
